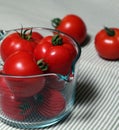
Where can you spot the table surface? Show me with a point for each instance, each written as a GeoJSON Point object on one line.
{"type": "Point", "coordinates": [97, 96]}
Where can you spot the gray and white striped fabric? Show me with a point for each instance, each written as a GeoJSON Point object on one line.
{"type": "Point", "coordinates": [97, 92]}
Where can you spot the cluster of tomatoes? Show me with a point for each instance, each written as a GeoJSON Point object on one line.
{"type": "Point", "coordinates": [47, 103]}
{"type": "Point", "coordinates": [27, 55]}
{"type": "Point", "coordinates": [106, 40]}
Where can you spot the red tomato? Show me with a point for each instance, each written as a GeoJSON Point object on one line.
{"type": "Point", "coordinates": [15, 109]}
{"type": "Point", "coordinates": [72, 25]}
{"type": "Point", "coordinates": [36, 37]}
{"type": "Point", "coordinates": [58, 53]}
{"type": "Point", "coordinates": [11, 106]}
{"type": "Point", "coordinates": [19, 41]}
{"type": "Point", "coordinates": [22, 63]}
{"type": "Point", "coordinates": [107, 43]}
{"type": "Point", "coordinates": [3, 86]}
{"type": "Point", "coordinates": [50, 103]}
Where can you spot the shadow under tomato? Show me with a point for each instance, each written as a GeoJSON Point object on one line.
{"type": "Point", "coordinates": [87, 41]}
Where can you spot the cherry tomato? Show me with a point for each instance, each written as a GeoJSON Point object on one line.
{"type": "Point", "coordinates": [107, 43]}
{"type": "Point", "coordinates": [15, 109]}
{"type": "Point", "coordinates": [23, 64]}
{"type": "Point", "coordinates": [58, 53]}
{"type": "Point", "coordinates": [72, 25]}
{"type": "Point", "coordinates": [50, 103]}
{"type": "Point", "coordinates": [19, 41]}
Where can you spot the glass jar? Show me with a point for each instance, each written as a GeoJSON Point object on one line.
{"type": "Point", "coordinates": [37, 101]}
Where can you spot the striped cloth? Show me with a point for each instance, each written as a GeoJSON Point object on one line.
{"type": "Point", "coordinates": [97, 95]}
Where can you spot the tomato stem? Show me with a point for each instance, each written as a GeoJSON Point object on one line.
{"type": "Point", "coordinates": [24, 34]}
{"type": "Point", "coordinates": [42, 65]}
{"type": "Point", "coordinates": [56, 40]}
{"type": "Point", "coordinates": [55, 22]}
{"type": "Point", "coordinates": [109, 31]}
{"type": "Point", "coordinates": [24, 107]}
{"type": "Point", "coordinates": [39, 98]}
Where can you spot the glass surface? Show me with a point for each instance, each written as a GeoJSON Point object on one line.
{"type": "Point", "coordinates": [38, 100]}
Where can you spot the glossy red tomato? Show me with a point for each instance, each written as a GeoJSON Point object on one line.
{"type": "Point", "coordinates": [58, 53]}
{"type": "Point", "coordinates": [107, 43]}
{"type": "Point", "coordinates": [23, 64]}
{"type": "Point", "coordinates": [72, 25]}
{"type": "Point", "coordinates": [19, 41]}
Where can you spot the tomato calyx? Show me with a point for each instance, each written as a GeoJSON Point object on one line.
{"type": "Point", "coordinates": [55, 22]}
{"type": "Point", "coordinates": [57, 40]}
{"type": "Point", "coordinates": [25, 35]}
{"type": "Point", "coordinates": [42, 65]}
{"type": "Point", "coordinates": [39, 98]}
{"type": "Point", "coordinates": [24, 107]}
{"type": "Point", "coordinates": [109, 31]}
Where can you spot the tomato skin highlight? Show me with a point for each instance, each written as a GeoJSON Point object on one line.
{"type": "Point", "coordinates": [74, 26]}
{"type": "Point", "coordinates": [107, 46]}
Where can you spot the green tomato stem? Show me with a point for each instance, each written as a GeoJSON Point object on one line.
{"type": "Point", "coordinates": [57, 40]}
{"type": "Point", "coordinates": [24, 107]}
{"type": "Point", "coordinates": [23, 34]}
{"type": "Point", "coordinates": [55, 22]}
{"type": "Point", "coordinates": [42, 65]}
{"type": "Point", "coordinates": [39, 98]}
{"type": "Point", "coordinates": [109, 31]}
